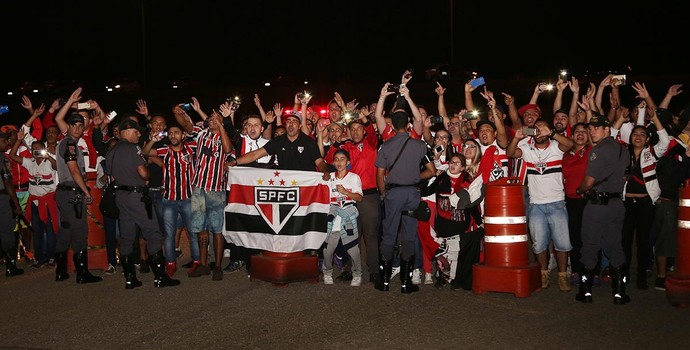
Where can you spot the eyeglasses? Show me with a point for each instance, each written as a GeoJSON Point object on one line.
{"type": "Point", "coordinates": [468, 146]}
{"type": "Point", "coordinates": [455, 163]}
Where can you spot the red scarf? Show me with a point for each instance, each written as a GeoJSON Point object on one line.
{"type": "Point", "coordinates": [46, 205]}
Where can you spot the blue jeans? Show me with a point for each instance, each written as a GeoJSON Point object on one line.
{"type": "Point", "coordinates": [156, 199]}
{"type": "Point", "coordinates": [549, 222]}
{"type": "Point", "coordinates": [171, 211]}
{"type": "Point", "coordinates": [44, 236]}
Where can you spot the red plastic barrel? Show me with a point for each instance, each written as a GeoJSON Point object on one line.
{"type": "Point", "coordinates": [678, 282]}
{"type": "Point", "coordinates": [505, 224]}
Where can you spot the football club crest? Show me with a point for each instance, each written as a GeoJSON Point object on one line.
{"type": "Point", "coordinates": [541, 166]}
{"type": "Point", "coordinates": [276, 205]}
{"type": "Point", "coordinates": [300, 149]}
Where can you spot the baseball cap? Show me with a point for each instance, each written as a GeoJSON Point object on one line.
{"type": "Point", "coordinates": [75, 118]}
{"type": "Point", "coordinates": [599, 120]}
{"type": "Point", "coordinates": [527, 107]}
{"type": "Point", "coordinates": [130, 124]}
{"type": "Point", "coordinates": [485, 121]}
{"type": "Point", "coordinates": [293, 115]}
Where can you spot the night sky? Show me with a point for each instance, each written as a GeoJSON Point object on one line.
{"type": "Point", "coordinates": [221, 43]}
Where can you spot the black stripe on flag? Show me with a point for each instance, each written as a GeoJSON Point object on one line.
{"type": "Point", "coordinates": [296, 225]}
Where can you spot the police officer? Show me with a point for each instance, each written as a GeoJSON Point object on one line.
{"type": "Point", "coordinates": [7, 238]}
{"type": "Point", "coordinates": [400, 157]}
{"type": "Point", "coordinates": [602, 219]}
{"type": "Point", "coordinates": [129, 170]}
{"type": "Point", "coordinates": [72, 196]}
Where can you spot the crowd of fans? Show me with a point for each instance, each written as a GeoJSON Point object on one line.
{"type": "Point", "coordinates": [493, 136]}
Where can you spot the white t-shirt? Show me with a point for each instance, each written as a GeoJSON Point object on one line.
{"type": "Point", "coordinates": [42, 177]}
{"type": "Point", "coordinates": [544, 172]}
{"type": "Point", "coordinates": [352, 182]}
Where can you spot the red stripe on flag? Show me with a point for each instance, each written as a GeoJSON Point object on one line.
{"type": "Point", "coordinates": [308, 195]}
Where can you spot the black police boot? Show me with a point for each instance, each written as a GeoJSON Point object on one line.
{"type": "Point", "coordinates": [585, 293]}
{"type": "Point", "coordinates": [161, 279]}
{"type": "Point", "coordinates": [81, 264]}
{"type": "Point", "coordinates": [619, 280]}
{"type": "Point", "coordinates": [131, 280]}
{"type": "Point", "coordinates": [61, 266]}
{"type": "Point", "coordinates": [385, 272]}
{"type": "Point", "coordinates": [11, 268]}
{"type": "Point", "coordinates": [406, 270]}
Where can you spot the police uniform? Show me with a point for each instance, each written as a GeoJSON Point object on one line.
{"type": "Point", "coordinates": [7, 238]}
{"type": "Point", "coordinates": [402, 194]}
{"type": "Point", "coordinates": [602, 218]}
{"type": "Point", "coordinates": [136, 210]}
{"type": "Point", "coordinates": [70, 201]}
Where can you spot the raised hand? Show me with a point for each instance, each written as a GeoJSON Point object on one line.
{"type": "Point", "coordinates": [440, 90]}
{"type": "Point", "coordinates": [277, 110]}
{"type": "Point", "coordinates": [38, 111]}
{"type": "Point", "coordinates": [270, 117]}
{"type": "Point", "coordinates": [675, 90]}
{"type": "Point", "coordinates": [26, 104]}
{"type": "Point", "coordinates": [142, 108]}
{"type": "Point", "coordinates": [641, 90]}
{"type": "Point", "coordinates": [574, 85]}
{"type": "Point", "coordinates": [54, 106]}
{"type": "Point", "coordinates": [75, 96]}
{"type": "Point", "coordinates": [508, 99]}
{"type": "Point", "coordinates": [257, 101]}
{"type": "Point", "coordinates": [225, 109]}
{"type": "Point", "coordinates": [406, 77]}
{"type": "Point", "coordinates": [608, 80]}
{"type": "Point", "coordinates": [195, 104]}
{"type": "Point", "coordinates": [339, 101]}
{"type": "Point", "coordinates": [384, 90]}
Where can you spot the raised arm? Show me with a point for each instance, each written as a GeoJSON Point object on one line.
{"type": "Point", "coordinates": [62, 113]}
{"type": "Point", "coordinates": [597, 102]}
{"type": "Point", "coordinates": [513, 114]}
{"type": "Point", "coordinates": [417, 123]}
{"type": "Point", "coordinates": [574, 86]}
{"type": "Point", "coordinates": [673, 91]}
{"type": "Point", "coordinates": [378, 116]}
{"type": "Point", "coordinates": [143, 109]}
{"type": "Point", "coordinates": [643, 93]}
{"type": "Point", "coordinates": [197, 108]}
{"type": "Point", "coordinates": [183, 119]}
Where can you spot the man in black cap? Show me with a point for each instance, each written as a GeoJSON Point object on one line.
{"type": "Point", "coordinates": [72, 196]}
{"type": "Point", "coordinates": [602, 218]}
{"type": "Point", "coordinates": [7, 196]}
{"type": "Point", "coordinates": [127, 166]}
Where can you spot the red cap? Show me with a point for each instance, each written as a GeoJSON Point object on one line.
{"type": "Point", "coordinates": [527, 107]}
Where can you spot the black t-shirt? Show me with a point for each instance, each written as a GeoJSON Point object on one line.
{"type": "Point", "coordinates": [298, 155]}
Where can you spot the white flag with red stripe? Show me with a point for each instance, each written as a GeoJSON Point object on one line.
{"type": "Point", "coordinates": [281, 211]}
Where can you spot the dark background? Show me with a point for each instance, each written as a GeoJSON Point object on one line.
{"type": "Point", "coordinates": [237, 46]}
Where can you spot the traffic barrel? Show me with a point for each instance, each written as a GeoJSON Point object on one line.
{"type": "Point", "coordinates": [506, 266]}
{"type": "Point", "coordinates": [678, 282]}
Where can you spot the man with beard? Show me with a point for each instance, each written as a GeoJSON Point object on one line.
{"type": "Point", "coordinates": [176, 160]}
{"type": "Point", "coordinates": [208, 186]}
{"type": "Point", "coordinates": [547, 214]}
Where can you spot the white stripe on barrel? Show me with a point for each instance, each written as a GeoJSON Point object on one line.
{"type": "Point", "coordinates": [505, 220]}
{"type": "Point", "coordinates": [505, 239]}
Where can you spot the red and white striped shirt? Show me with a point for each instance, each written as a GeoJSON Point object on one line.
{"type": "Point", "coordinates": [210, 172]}
{"type": "Point", "coordinates": [178, 171]}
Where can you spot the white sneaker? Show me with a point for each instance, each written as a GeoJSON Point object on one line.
{"type": "Point", "coordinates": [417, 276]}
{"type": "Point", "coordinates": [356, 281]}
{"type": "Point", "coordinates": [226, 253]}
{"type": "Point", "coordinates": [328, 279]}
{"type": "Point", "coordinates": [428, 278]}
{"type": "Point", "coordinates": [396, 270]}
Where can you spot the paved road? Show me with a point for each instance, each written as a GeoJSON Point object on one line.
{"type": "Point", "coordinates": [39, 313]}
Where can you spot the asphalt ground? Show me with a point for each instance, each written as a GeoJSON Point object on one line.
{"type": "Point", "coordinates": [39, 313]}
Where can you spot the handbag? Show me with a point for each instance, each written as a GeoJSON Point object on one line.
{"type": "Point", "coordinates": [107, 206]}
